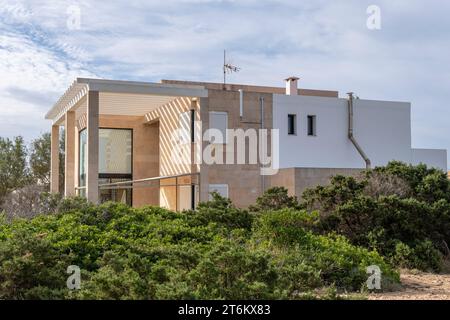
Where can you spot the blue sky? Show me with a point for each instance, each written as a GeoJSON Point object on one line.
{"type": "Point", "coordinates": [326, 43]}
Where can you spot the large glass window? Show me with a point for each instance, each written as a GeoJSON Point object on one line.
{"type": "Point", "coordinates": [115, 162]}
{"type": "Point", "coordinates": [115, 147]}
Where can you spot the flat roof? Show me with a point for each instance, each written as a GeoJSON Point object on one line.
{"type": "Point", "coordinates": [79, 88]}
{"type": "Point", "coordinates": [166, 89]}
{"type": "Point", "coordinates": [254, 88]}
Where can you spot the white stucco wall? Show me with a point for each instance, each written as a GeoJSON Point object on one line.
{"type": "Point", "coordinates": [382, 128]}
{"type": "Point", "coordinates": [436, 158]}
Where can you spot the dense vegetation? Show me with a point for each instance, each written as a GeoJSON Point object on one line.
{"type": "Point", "coordinates": [217, 252]}
{"type": "Point", "coordinates": [279, 248]}
{"type": "Point", "coordinates": [28, 167]}
{"type": "Point", "coordinates": [400, 210]}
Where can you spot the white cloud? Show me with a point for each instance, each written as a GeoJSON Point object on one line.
{"type": "Point", "coordinates": [325, 42]}
{"type": "Point", "coordinates": [34, 71]}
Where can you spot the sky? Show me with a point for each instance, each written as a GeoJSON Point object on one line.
{"type": "Point", "coordinates": [45, 45]}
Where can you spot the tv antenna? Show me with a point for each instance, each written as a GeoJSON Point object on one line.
{"type": "Point", "coordinates": [228, 68]}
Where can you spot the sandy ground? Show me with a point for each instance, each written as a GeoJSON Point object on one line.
{"type": "Point", "coordinates": [418, 286]}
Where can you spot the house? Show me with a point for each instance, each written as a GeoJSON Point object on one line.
{"type": "Point", "coordinates": [172, 143]}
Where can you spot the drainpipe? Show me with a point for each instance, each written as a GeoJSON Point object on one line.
{"type": "Point", "coordinates": [241, 103]}
{"type": "Point", "coordinates": [350, 131]}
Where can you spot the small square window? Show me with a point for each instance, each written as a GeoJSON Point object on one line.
{"type": "Point", "coordinates": [292, 128]}
{"type": "Point", "coordinates": [311, 125]}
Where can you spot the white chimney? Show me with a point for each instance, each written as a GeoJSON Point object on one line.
{"type": "Point", "coordinates": [291, 86]}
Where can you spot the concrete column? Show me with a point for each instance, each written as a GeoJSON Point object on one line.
{"type": "Point", "coordinates": [194, 109]}
{"type": "Point", "coordinates": [69, 176]}
{"type": "Point", "coordinates": [204, 168]}
{"type": "Point", "coordinates": [77, 157]}
{"type": "Point", "coordinates": [54, 160]}
{"type": "Point", "coordinates": [92, 146]}
{"type": "Point", "coordinates": [194, 144]}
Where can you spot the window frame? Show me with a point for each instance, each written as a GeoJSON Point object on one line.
{"type": "Point", "coordinates": [107, 175]}
{"type": "Point", "coordinates": [292, 116]}
{"type": "Point", "coordinates": [225, 138]}
{"type": "Point", "coordinates": [120, 175]}
{"type": "Point", "coordinates": [311, 125]}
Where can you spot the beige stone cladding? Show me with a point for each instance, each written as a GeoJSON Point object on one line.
{"type": "Point", "coordinates": [169, 118]}
{"type": "Point", "coordinates": [244, 180]}
{"type": "Point", "coordinates": [145, 152]}
{"type": "Point", "coordinates": [297, 180]}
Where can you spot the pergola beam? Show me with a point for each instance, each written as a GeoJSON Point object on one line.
{"type": "Point", "coordinates": [81, 86]}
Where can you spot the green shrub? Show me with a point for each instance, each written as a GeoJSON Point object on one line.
{"type": "Point", "coordinates": [222, 212]}
{"type": "Point", "coordinates": [275, 198]}
{"type": "Point", "coordinates": [339, 262]}
{"type": "Point", "coordinates": [231, 271]}
{"type": "Point", "coordinates": [285, 226]}
{"type": "Point", "coordinates": [427, 184]}
{"type": "Point", "coordinates": [217, 252]}
{"type": "Point", "coordinates": [30, 267]}
{"type": "Point", "coordinates": [386, 206]}
{"type": "Point", "coordinates": [222, 252]}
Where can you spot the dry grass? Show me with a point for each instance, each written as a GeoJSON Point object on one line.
{"type": "Point", "coordinates": [417, 285]}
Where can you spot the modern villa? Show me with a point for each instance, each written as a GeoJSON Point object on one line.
{"type": "Point", "coordinates": [152, 144]}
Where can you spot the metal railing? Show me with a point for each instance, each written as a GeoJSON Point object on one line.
{"type": "Point", "coordinates": [174, 181]}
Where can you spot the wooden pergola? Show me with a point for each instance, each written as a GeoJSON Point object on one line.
{"type": "Point", "coordinates": [85, 97]}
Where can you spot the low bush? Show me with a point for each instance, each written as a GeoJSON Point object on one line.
{"type": "Point", "coordinates": [275, 198]}
{"type": "Point", "coordinates": [222, 212]}
{"type": "Point", "coordinates": [339, 262]}
{"type": "Point", "coordinates": [278, 249]}
{"type": "Point", "coordinates": [218, 252]}
{"type": "Point", "coordinates": [396, 209]}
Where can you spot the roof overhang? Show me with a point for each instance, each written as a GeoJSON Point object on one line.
{"type": "Point", "coordinates": [81, 86]}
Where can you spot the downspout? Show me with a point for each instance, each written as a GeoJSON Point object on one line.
{"type": "Point", "coordinates": [350, 131]}
{"type": "Point", "coordinates": [241, 103]}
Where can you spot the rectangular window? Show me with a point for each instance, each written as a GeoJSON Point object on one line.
{"type": "Point", "coordinates": [219, 122]}
{"type": "Point", "coordinates": [115, 148]}
{"type": "Point", "coordinates": [292, 129]}
{"type": "Point", "coordinates": [221, 189]}
{"type": "Point", "coordinates": [311, 125]}
{"type": "Point", "coordinates": [114, 162]}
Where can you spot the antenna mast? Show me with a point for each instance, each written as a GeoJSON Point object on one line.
{"type": "Point", "coordinates": [227, 68]}
{"type": "Point", "coordinates": [224, 68]}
